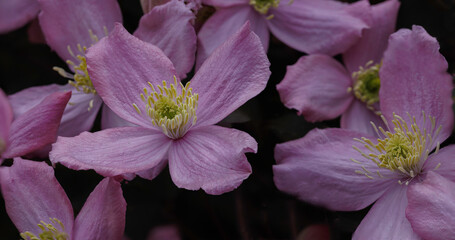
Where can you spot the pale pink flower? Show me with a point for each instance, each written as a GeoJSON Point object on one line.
{"type": "Point", "coordinates": [345, 170]}
{"type": "Point", "coordinates": [320, 88]}
{"type": "Point", "coordinates": [33, 196]}
{"type": "Point", "coordinates": [15, 14]}
{"type": "Point", "coordinates": [176, 126]}
{"type": "Point", "coordinates": [311, 26]}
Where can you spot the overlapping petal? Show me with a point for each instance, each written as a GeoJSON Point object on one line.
{"type": "Point", "coordinates": [318, 169]}
{"type": "Point", "coordinates": [120, 67]}
{"type": "Point", "coordinates": [224, 3]}
{"type": "Point", "coordinates": [6, 117]}
{"type": "Point", "coordinates": [112, 152]}
{"type": "Point", "coordinates": [414, 78]}
{"type": "Point", "coordinates": [236, 71]}
{"type": "Point", "coordinates": [38, 126]}
{"type": "Point", "coordinates": [431, 207]}
{"type": "Point", "coordinates": [111, 120]}
{"type": "Point", "coordinates": [358, 117]}
{"type": "Point", "coordinates": [103, 214]}
{"type": "Point", "coordinates": [386, 219]}
{"type": "Point", "coordinates": [15, 14]}
{"type": "Point", "coordinates": [373, 42]}
{"type": "Point", "coordinates": [442, 163]}
{"type": "Point", "coordinates": [32, 194]}
{"type": "Point", "coordinates": [168, 27]}
{"type": "Point", "coordinates": [328, 27]}
{"type": "Point", "coordinates": [212, 158]}
{"type": "Point", "coordinates": [316, 86]}
{"type": "Point", "coordinates": [223, 24]}
{"type": "Point", "coordinates": [67, 23]}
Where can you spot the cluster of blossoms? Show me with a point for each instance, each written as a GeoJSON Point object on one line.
{"type": "Point", "coordinates": [394, 98]}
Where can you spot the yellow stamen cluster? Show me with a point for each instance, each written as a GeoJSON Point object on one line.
{"type": "Point", "coordinates": [174, 112]}
{"type": "Point", "coordinates": [403, 149]}
{"type": "Point", "coordinates": [367, 83]}
{"type": "Point", "coordinates": [49, 232]}
{"type": "Point", "coordinates": [263, 6]}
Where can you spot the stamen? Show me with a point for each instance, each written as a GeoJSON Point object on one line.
{"type": "Point", "coordinates": [263, 6]}
{"type": "Point", "coordinates": [49, 231]}
{"type": "Point", "coordinates": [367, 84]}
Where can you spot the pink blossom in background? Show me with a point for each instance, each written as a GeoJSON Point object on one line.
{"type": "Point", "coordinates": [345, 170]}
{"type": "Point", "coordinates": [15, 14]}
{"type": "Point", "coordinates": [33, 195]}
{"type": "Point", "coordinates": [178, 132]}
{"type": "Point", "coordinates": [431, 207]}
{"type": "Point", "coordinates": [34, 129]}
{"type": "Point", "coordinates": [317, 85]}
{"type": "Point", "coordinates": [311, 26]}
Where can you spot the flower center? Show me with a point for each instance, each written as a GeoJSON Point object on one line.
{"type": "Point", "coordinates": [403, 149]}
{"type": "Point", "coordinates": [263, 6]}
{"type": "Point", "coordinates": [172, 110]}
{"type": "Point", "coordinates": [367, 83]}
{"type": "Point", "coordinates": [48, 231]}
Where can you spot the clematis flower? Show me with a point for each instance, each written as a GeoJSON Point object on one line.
{"type": "Point", "coordinates": [40, 209]}
{"type": "Point", "coordinates": [345, 170]}
{"type": "Point", "coordinates": [311, 26]}
{"type": "Point", "coordinates": [175, 121]}
{"type": "Point", "coordinates": [431, 206]}
{"type": "Point", "coordinates": [320, 88]}
{"type": "Point", "coordinates": [34, 129]}
{"type": "Point", "coordinates": [15, 14]}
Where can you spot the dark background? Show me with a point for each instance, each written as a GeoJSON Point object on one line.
{"type": "Point", "coordinates": [256, 210]}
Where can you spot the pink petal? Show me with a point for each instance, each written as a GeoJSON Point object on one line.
{"type": "Point", "coordinates": [28, 98]}
{"type": "Point", "coordinates": [111, 120]}
{"type": "Point", "coordinates": [103, 214]}
{"type": "Point", "coordinates": [113, 151]}
{"type": "Point", "coordinates": [32, 194]}
{"type": "Point", "coordinates": [386, 219]}
{"type": "Point", "coordinates": [358, 117]}
{"type": "Point", "coordinates": [442, 163]}
{"type": "Point", "coordinates": [67, 23]}
{"type": "Point", "coordinates": [225, 23]}
{"type": "Point", "coordinates": [316, 86]}
{"type": "Point", "coordinates": [15, 14]}
{"type": "Point", "coordinates": [212, 158]}
{"type": "Point", "coordinates": [6, 117]}
{"type": "Point", "coordinates": [236, 71]}
{"type": "Point", "coordinates": [35, 35]}
{"type": "Point", "coordinates": [168, 27]}
{"type": "Point", "coordinates": [38, 126]}
{"type": "Point", "coordinates": [312, 26]}
{"type": "Point", "coordinates": [151, 173]}
{"type": "Point", "coordinates": [318, 169]}
{"type": "Point", "coordinates": [148, 5]}
{"type": "Point", "coordinates": [120, 67]}
{"type": "Point", "coordinates": [373, 42]}
{"type": "Point", "coordinates": [224, 3]}
{"type": "Point", "coordinates": [414, 78]}
{"type": "Point", "coordinates": [431, 207]}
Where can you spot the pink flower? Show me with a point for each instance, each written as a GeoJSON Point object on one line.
{"type": "Point", "coordinates": [431, 207]}
{"type": "Point", "coordinates": [34, 129]}
{"type": "Point", "coordinates": [346, 170]}
{"type": "Point", "coordinates": [311, 26]}
{"type": "Point", "coordinates": [38, 205]}
{"type": "Point", "coordinates": [320, 88]}
{"type": "Point", "coordinates": [175, 124]}
{"type": "Point", "coordinates": [15, 14]}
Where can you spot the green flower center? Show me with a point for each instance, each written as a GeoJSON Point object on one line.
{"type": "Point", "coordinates": [263, 6]}
{"type": "Point", "coordinates": [172, 110]}
{"type": "Point", "coordinates": [367, 83]}
{"type": "Point", "coordinates": [48, 231]}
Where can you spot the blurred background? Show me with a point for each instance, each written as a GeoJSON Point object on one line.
{"type": "Point", "coordinates": [256, 210]}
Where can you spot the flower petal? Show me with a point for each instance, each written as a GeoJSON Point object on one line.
{"type": "Point", "coordinates": [373, 42]}
{"type": "Point", "coordinates": [442, 163]}
{"type": "Point", "coordinates": [414, 78]}
{"type": "Point", "coordinates": [15, 14]}
{"type": "Point", "coordinates": [386, 219]}
{"type": "Point", "coordinates": [120, 66]}
{"type": "Point", "coordinates": [212, 158]}
{"type": "Point", "coordinates": [431, 207]}
{"type": "Point", "coordinates": [317, 87]}
{"type": "Point", "coordinates": [224, 3]}
{"type": "Point", "coordinates": [312, 26]}
{"type": "Point", "coordinates": [32, 194]}
{"type": "Point", "coordinates": [168, 27]}
{"type": "Point", "coordinates": [68, 23]}
{"type": "Point", "coordinates": [111, 120]}
{"type": "Point", "coordinates": [113, 151]}
{"type": "Point", "coordinates": [318, 169]}
{"type": "Point", "coordinates": [38, 126]}
{"type": "Point", "coordinates": [6, 117]}
{"type": "Point", "coordinates": [358, 117]}
{"type": "Point", "coordinates": [236, 71]}
{"type": "Point", "coordinates": [103, 214]}
{"type": "Point", "coordinates": [225, 23]}
{"type": "Point", "coordinates": [151, 173]}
